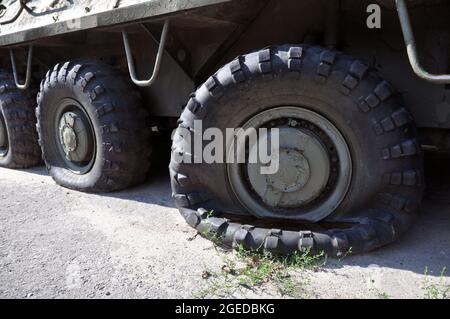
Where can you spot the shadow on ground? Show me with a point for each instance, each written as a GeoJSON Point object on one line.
{"type": "Point", "coordinates": [427, 244]}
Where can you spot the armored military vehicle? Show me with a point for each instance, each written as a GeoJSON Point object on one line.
{"type": "Point", "coordinates": [356, 91]}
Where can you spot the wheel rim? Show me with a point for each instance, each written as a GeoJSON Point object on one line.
{"type": "Point", "coordinates": [75, 136]}
{"type": "Point", "coordinates": [314, 173]}
{"type": "Point", "coordinates": [3, 137]}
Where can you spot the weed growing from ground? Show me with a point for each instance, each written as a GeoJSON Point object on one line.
{"type": "Point", "coordinates": [439, 290]}
{"type": "Point", "coordinates": [250, 271]}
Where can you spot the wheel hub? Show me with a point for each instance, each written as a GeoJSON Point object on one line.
{"type": "Point", "coordinates": [302, 175]}
{"type": "Point", "coordinates": [293, 174]}
{"type": "Point", "coordinates": [69, 139]}
{"type": "Point", "coordinates": [314, 167]}
{"type": "Point", "coordinates": [74, 137]}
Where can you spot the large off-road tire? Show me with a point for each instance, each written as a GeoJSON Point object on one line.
{"type": "Point", "coordinates": [18, 138]}
{"type": "Point", "coordinates": [92, 127]}
{"type": "Point", "coordinates": [372, 184]}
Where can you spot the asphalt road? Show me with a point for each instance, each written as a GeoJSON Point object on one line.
{"type": "Point", "coordinates": [57, 243]}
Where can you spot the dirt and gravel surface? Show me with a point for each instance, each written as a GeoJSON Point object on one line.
{"type": "Point", "coordinates": [57, 243]}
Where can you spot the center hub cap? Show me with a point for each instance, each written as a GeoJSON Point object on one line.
{"type": "Point", "coordinates": [293, 174]}
{"type": "Point", "coordinates": [74, 137]}
{"type": "Point", "coordinates": [302, 175]}
{"type": "Point", "coordinates": [69, 139]}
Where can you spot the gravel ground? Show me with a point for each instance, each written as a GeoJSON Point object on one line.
{"type": "Point", "coordinates": [57, 243]}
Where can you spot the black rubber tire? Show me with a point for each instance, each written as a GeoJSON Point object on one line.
{"type": "Point", "coordinates": [17, 107]}
{"type": "Point", "coordinates": [117, 116]}
{"type": "Point", "coordinates": [387, 182]}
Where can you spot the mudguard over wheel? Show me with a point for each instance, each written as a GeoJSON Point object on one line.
{"type": "Point", "coordinates": [92, 128]}
{"type": "Point", "coordinates": [18, 138]}
{"type": "Point", "coordinates": [349, 155]}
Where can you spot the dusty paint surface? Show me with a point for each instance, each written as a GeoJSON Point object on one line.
{"type": "Point", "coordinates": [48, 18]}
